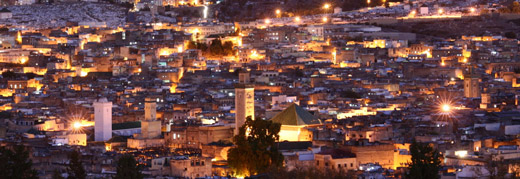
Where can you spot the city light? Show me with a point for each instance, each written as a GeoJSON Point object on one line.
{"type": "Point", "coordinates": [297, 19]}
{"type": "Point", "coordinates": [77, 125]}
{"type": "Point", "coordinates": [440, 11]}
{"type": "Point", "coordinates": [278, 12]}
{"type": "Point", "coordinates": [326, 6]}
{"type": "Point", "coordinates": [325, 19]}
{"type": "Point", "coordinates": [472, 10]}
{"type": "Point", "coordinates": [446, 108]}
{"type": "Point", "coordinates": [267, 21]}
{"type": "Point", "coordinates": [205, 12]}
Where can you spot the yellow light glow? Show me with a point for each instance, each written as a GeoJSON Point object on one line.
{"type": "Point", "coordinates": [412, 13]}
{"type": "Point", "coordinates": [440, 11]}
{"type": "Point", "coordinates": [23, 60]}
{"type": "Point", "coordinates": [442, 63]}
{"type": "Point", "coordinates": [179, 49]}
{"type": "Point", "coordinates": [278, 11]}
{"type": "Point", "coordinates": [19, 37]}
{"type": "Point", "coordinates": [173, 88]}
{"type": "Point", "coordinates": [297, 19]}
{"type": "Point", "coordinates": [83, 73]}
{"type": "Point", "coordinates": [267, 21]}
{"type": "Point", "coordinates": [446, 108]}
{"type": "Point", "coordinates": [77, 125]}
{"type": "Point", "coordinates": [324, 19]}
{"type": "Point", "coordinates": [326, 6]}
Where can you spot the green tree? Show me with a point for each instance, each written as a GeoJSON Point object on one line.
{"type": "Point", "coordinates": [216, 47]}
{"type": "Point", "coordinates": [127, 168]}
{"type": "Point", "coordinates": [510, 35]}
{"type": "Point", "coordinates": [255, 151]}
{"type": "Point", "coordinates": [227, 48]}
{"type": "Point", "coordinates": [75, 167]}
{"type": "Point", "coordinates": [425, 161]}
{"type": "Point", "coordinates": [15, 163]}
{"type": "Point", "coordinates": [57, 175]}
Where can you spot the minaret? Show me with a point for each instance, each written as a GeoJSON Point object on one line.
{"type": "Point", "coordinates": [150, 126]}
{"type": "Point", "coordinates": [471, 84]}
{"type": "Point", "coordinates": [150, 109]}
{"type": "Point", "coordinates": [103, 119]}
{"type": "Point", "coordinates": [244, 100]}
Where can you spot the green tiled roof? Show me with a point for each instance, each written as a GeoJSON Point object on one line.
{"type": "Point", "coordinates": [295, 115]}
{"type": "Point", "coordinates": [126, 125]}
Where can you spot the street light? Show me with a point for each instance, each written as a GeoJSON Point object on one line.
{"type": "Point", "coordinates": [441, 11]}
{"type": "Point", "coordinates": [446, 108]}
{"type": "Point", "coordinates": [278, 12]}
{"type": "Point", "coordinates": [267, 21]}
{"type": "Point", "coordinates": [326, 6]}
{"type": "Point", "coordinates": [472, 10]}
{"type": "Point", "coordinates": [325, 19]}
{"type": "Point", "coordinates": [77, 125]}
{"type": "Point", "coordinates": [297, 19]}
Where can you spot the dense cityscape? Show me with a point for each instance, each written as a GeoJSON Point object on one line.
{"type": "Point", "coordinates": [366, 89]}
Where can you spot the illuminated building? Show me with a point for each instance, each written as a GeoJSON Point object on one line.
{"type": "Point", "coordinates": [103, 119]}
{"type": "Point", "coordinates": [294, 121]}
{"type": "Point", "coordinates": [150, 128]}
{"type": "Point", "coordinates": [244, 100]}
{"type": "Point", "coordinates": [471, 85]}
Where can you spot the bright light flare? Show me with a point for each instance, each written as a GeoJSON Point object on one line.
{"type": "Point", "coordinates": [278, 11]}
{"type": "Point", "coordinates": [472, 10]}
{"type": "Point", "coordinates": [267, 21]}
{"type": "Point", "coordinates": [326, 6]}
{"type": "Point", "coordinates": [77, 125]}
{"type": "Point", "coordinates": [440, 11]}
{"type": "Point", "coordinates": [325, 19]}
{"type": "Point", "coordinates": [297, 19]}
{"type": "Point", "coordinates": [446, 108]}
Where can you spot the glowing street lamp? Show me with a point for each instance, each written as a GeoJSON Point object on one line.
{"type": "Point", "coordinates": [267, 21]}
{"type": "Point", "coordinates": [446, 108]}
{"type": "Point", "coordinates": [77, 125]}
{"type": "Point", "coordinates": [326, 6]}
{"type": "Point", "coordinates": [297, 19]}
{"type": "Point", "coordinates": [472, 10]}
{"type": "Point", "coordinates": [440, 11]}
{"type": "Point", "coordinates": [278, 13]}
{"type": "Point", "coordinates": [325, 19]}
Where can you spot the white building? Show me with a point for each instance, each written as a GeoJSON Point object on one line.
{"type": "Point", "coordinates": [5, 14]}
{"type": "Point", "coordinates": [103, 119]}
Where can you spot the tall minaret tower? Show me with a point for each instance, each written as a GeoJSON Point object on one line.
{"type": "Point", "coordinates": [150, 109]}
{"type": "Point", "coordinates": [471, 84]}
{"type": "Point", "coordinates": [244, 100]}
{"type": "Point", "coordinates": [103, 119]}
{"type": "Point", "coordinates": [150, 126]}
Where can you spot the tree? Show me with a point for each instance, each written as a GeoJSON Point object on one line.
{"type": "Point", "coordinates": [127, 168]}
{"type": "Point", "coordinates": [216, 47]}
{"type": "Point", "coordinates": [57, 175]}
{"type": "Point", "coordinates": [75, 168]}
{"type": "Point", "coordinates": [255, 151]}
{"type": "Point", "coordinates": [510, 35]}
{"type": "Point", "coordinates": [16, 164]}
{"type": "Point", "coordinates": [425, 161]}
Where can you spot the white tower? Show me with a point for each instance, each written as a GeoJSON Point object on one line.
{"type": "Point", "coordinates": [244, 100]}
{"type": "Point", "coordinates": [103, 119]}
